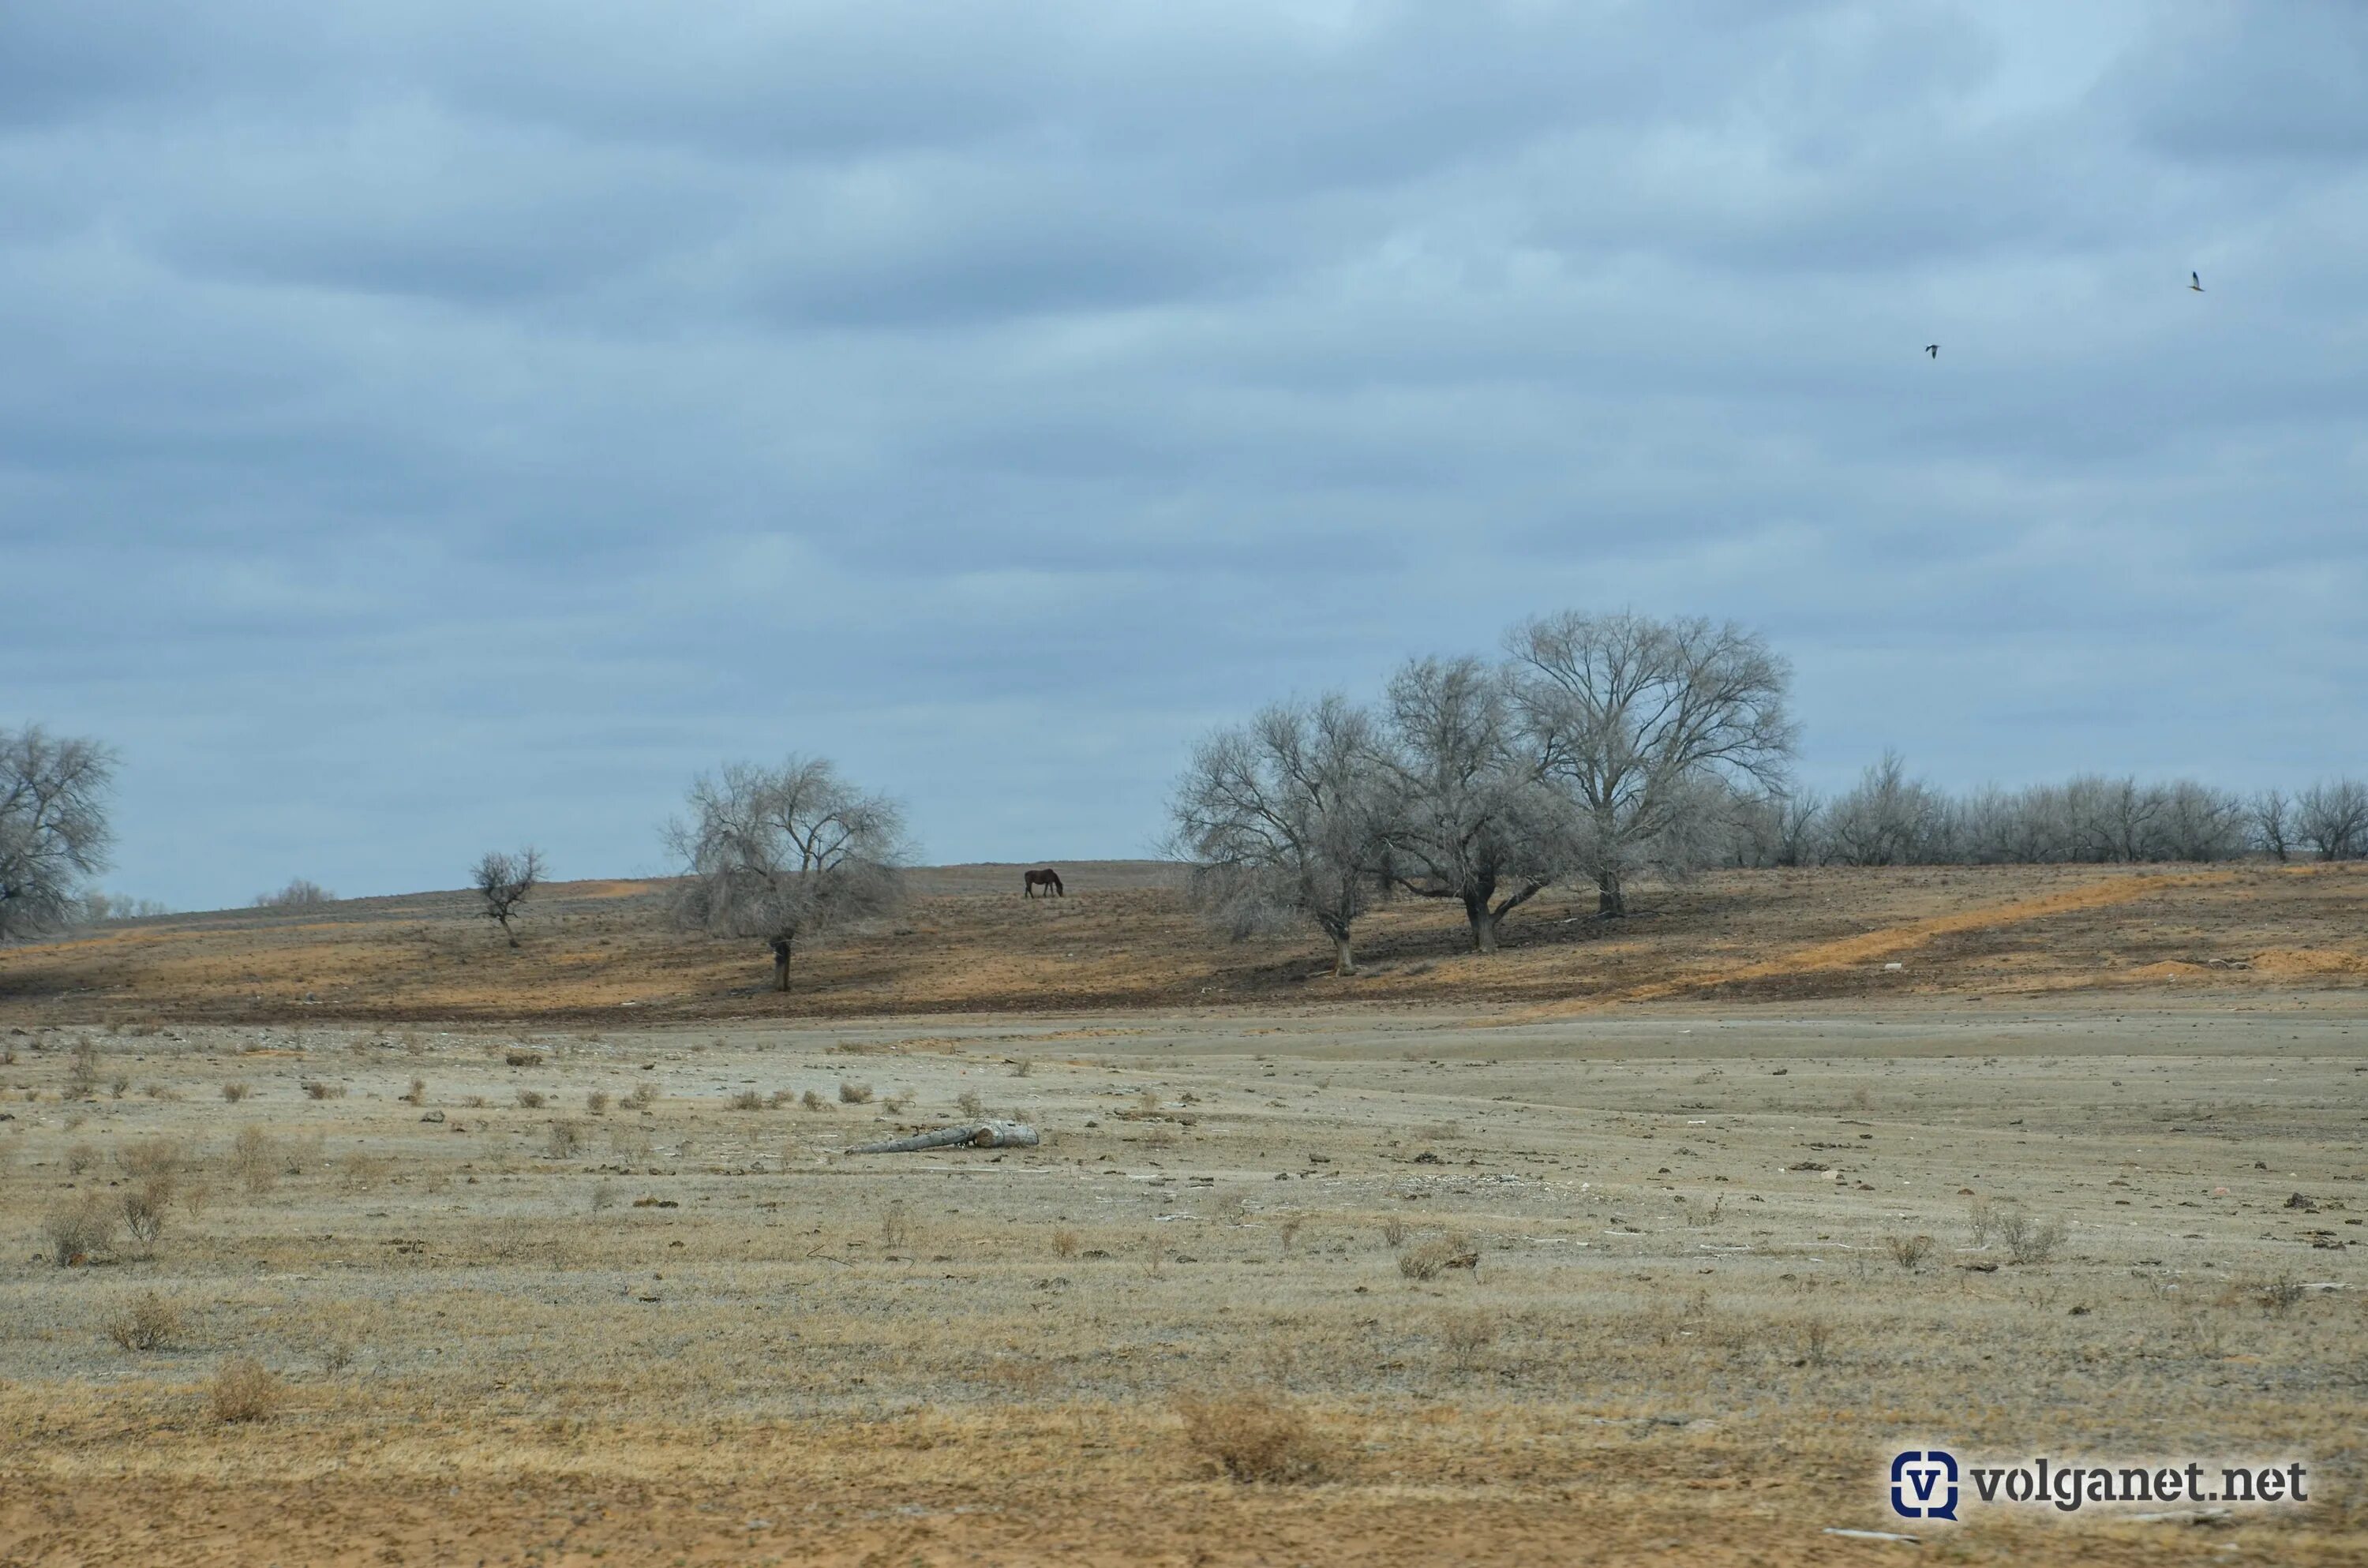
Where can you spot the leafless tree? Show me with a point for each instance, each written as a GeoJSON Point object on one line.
{"type": "Point", "coordinates": [1888, 819]}
{"type": "Point", "coordinates": [1471, 817]}
{"type": "Point", "coordinates": [300, 893]}
{"type": "Point", "coordinates": [54, 827]}
{"type": "Point", "coordinates": [1636, 718]}
{"type": "Point", "coordinates": [2198, 823]}
{"type": "Point", "coordinates": [2333, 819]}
{"type": "Point", "coordinates": [97, 905]}
{"type": "Point", "coordinates": [785, 855]}
{"type": "Point", "coordinates": [2271, 816]}
{"type": "Point", "coordinates": [502, 881]}
{"type": "Point", "coordinates": [1287, 816]}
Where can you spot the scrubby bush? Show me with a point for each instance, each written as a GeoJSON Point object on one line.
{"type": "Point", "coordinates": [75, 1230]}
{"type": "Point", "coordinates": [149, 1324]}
{"type": "Point", "coordinates": [1253, 1437]}
{"type": "Point", "coordinates": [854, 1093]}
{"type": "Point", "coordinates": [244, 1389]}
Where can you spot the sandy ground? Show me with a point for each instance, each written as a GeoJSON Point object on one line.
{"type": "Point", "coordinates": [678, 1331]}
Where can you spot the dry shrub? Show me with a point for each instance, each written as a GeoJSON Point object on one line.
{"type": "Point", "coordinates": [853, 1093]}
{"type": "Point", "coordinates": [1466, 1337]}
{"type": "Point", "coordinates": [2279, 1296]}
{"type": "Point", "coordinates": [564, 1140]}
{"type": "Point", "coordinates": [116, 1085]}
{"type": "Point", "coordinates": [604, 1196]}
{"type": "Point", "coordinates": [79, 1158]}
{"type": "Point", "coordinates": [151, 1158]}
{"type": "Point", "coordinates": [972, 1105]}
{"type": "Point", "coordinates": [236, 1090]}
{"type": "Point", "coordinates": [1064, 1242]}
{"type": "Point", "coordinates": [76, 1229]}
{"type": "Point", "coordinates": [896, 1223]}
{"type": "Point", "coordinates": [82, 1071]}
{"type": "Point", "coordinates": [530, 1100]}
{"type": "Point", "coordinates": [747, 1099]}
{"type": "Point", "coordinates": [143, 1210]}
{"type": "Point", "coordinates": [1426, 1261]}
{"type": "Point", "coordinates": [1393, 1233]}
{"type": "Point", "coordinates": [597, 1102]}
{"type": "Point", "coordinates": [194, 1196]}
{"type": "Point", "coordinates": [358, 1172]}
{"type": "Point", "coordinates": [2027, 1240]}
{"type": "Point", "coordinates": [781, 1098]}
{"type": "Point", "coordinates": [417, 1094]}
{"type": "Point", "coordinates": [1909, 1252]}
{"type": "Point", "coordinates": [643, 1096]}
{"type": "Point", "coordinates": [1253, 1437]}
{"type": "Point", "coordinates": [244, 1389]}
{"type": "Point", "coordinates": [315, 1089]}
{"type": "Point", "coordinates": [163, 1092]}
{"type": "Point", "coordinates": [255, 1159]}
{"type": "Point", "coordinates": [814, 1101]}
{"type": "Point", "coordinates": [149, 1324]}
{"type": "Point", "coordinates": [1289, 1230]}
{"type": "Point", "coordinates": [518, 1056]}
{"type": "Point", "coordinates": [1229, 1209]}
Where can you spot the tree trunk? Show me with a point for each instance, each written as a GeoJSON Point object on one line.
{"type": "Point", "coordinates": [1343, 962]}
{"type": "Point", "coordinates": [780, 963]}
{"type": "Point", "coordinates": [1610, 895]}
{"type": "Point", "coordinates": [1484, 923]}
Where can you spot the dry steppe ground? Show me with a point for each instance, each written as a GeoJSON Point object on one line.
{"type": "Point", "coordinates": [661, 1316]}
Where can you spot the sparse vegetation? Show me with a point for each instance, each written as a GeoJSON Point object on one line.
{"type": "Point", "coordinates": [300, 893]}
{"type": "Point", "coordinates": [236, 1090]}
{"type": "Point", "coordinates": [854, 1093]}
{"type": "Point", "coordinates": [1253, 1437]}
{"type": "Point", "coordinates": [144, 1205]}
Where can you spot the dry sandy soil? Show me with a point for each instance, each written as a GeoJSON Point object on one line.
{"type": "Point", "coordinates": [637, 1324]}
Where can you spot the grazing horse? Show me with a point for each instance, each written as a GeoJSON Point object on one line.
{"type": "Point", "coordinates": [1047, 879]}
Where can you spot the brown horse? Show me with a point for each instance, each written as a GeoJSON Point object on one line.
{"type": "Point", "coordinates": [1047, 879]}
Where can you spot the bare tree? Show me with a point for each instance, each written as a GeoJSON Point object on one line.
{"type": "Point", "coordinates": [54, 827]}
{"type": "Point", "coordinates": [503, 881]}
{"type": "Point", "coordinates": [785, 855]}
{"type": "Point", "coordinates": [1286, 816]}
{"type": "Point", "coordinates": [1470, 816]}
{"type": "Point", "coordinates": [2333, 819]}
{"type": "Point", "coordinates": [2270, 815]}
{"type": "Point", "coordinates": [1635, 717]}
{"type": "Point", "coordinates": [1888, 819]}
{"type": "Point", "coordinates": [301, 893]}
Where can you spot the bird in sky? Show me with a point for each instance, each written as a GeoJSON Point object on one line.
{"type": "Point", "coordinates": [1933, 349]}
{"type": "Point", "coordinates": [2195, 282]}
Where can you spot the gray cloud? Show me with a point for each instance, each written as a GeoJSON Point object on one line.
{"type": "Point", "coordinates": [428, 425]}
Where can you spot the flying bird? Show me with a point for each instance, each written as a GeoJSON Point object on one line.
{"type": "Point", "coordinates": [2195, 282]}
{"type": "Point", "coordinates": [1933, 349]}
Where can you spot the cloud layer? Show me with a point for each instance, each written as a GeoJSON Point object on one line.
{"type": "Point", "coordinates": [425, 427]}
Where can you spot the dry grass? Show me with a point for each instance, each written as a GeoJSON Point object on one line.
{"type": "Point", "coordinates": [1428, 1259]}
{"type": "Point", "coordinates": [1735, 936]}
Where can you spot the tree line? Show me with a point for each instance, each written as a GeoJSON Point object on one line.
{"type": "Point", "coordinates": [1602, 747]}
{"type": "Point", "coordinates": [1596, 750]}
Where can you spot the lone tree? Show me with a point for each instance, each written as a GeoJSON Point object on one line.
{"type": "Point", "coordinates": [785, 854]}
{"type": "Point", "coordinates": [2332, 818]}
{"type": "Point", "coordinates": [504, 881]}
{"type": "Point", "coordinates": [54, 829]}
{"type": "Point", "coordinates": [1285, 816]}
{"type": "Point", "coordinates": [1471, 817]}
{"type": "Point", "coordinates": [1650, 728]}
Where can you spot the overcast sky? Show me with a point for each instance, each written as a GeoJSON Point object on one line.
{"type": "Point", "coordinates": [428, 425]}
